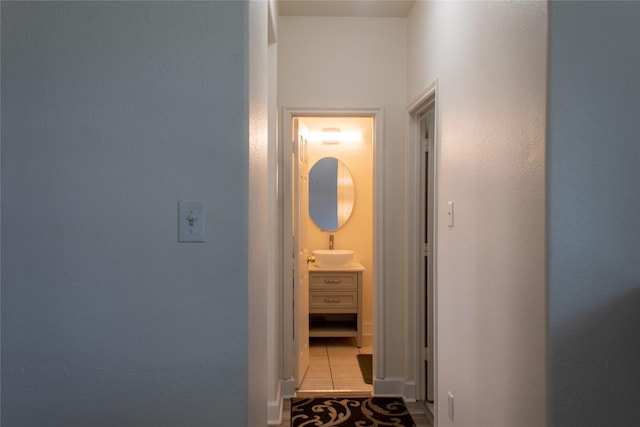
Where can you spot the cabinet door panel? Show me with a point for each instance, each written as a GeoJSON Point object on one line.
{"type": "Point", "coordinates": [327, 302]}
{"type": "Point", "coordinates": [333, 281]}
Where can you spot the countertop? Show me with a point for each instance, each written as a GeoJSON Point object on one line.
{"type": "Point", "coordinates": [356, 266]}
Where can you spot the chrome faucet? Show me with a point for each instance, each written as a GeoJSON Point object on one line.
{"type": "Point", "coordinates": [331, 241]}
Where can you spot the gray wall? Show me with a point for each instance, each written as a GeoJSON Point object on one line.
{"type": "Point", "coordinates": [594, 214]}
{"type": "Point", "coordinates": [112, 112]}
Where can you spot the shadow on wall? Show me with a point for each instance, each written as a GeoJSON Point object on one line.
{"type": "Point", "coordinates": [596, 360]}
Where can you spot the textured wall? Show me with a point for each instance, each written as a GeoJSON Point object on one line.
{"type": "Point", "coordinates": [112, 112]}
{"type": "Point", "coordinates": [594, 214]}
{"type": "Point", "coordinates": [489, 59]}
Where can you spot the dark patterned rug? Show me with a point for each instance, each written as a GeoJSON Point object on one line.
{"type": "Point", "coordinates": [350, 412]}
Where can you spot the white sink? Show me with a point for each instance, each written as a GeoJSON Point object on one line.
{"type": "Point", "coordinates": [327, 258]}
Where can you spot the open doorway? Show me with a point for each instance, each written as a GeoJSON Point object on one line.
{"type": "Point", "coordinates": [329, 204]}
{"type": "Point", "coordinates": [426, 122]}
{"type": "Point", "coordinates": [422, 151]}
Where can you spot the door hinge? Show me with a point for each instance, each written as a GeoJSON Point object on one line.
{"type": "Point", "coordinates": [425, 249]}
{"type": "Point", "coordinates": [425, 145]}
{"type": "Point", "coordinates": [426, 354]}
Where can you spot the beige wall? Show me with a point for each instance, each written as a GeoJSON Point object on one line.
{"type": "Point", "coordinates": [489, 59]}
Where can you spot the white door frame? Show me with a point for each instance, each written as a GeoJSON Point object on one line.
{"type": "Point", "coordinates": [288, 363]}
{"type": "Point", "coordinates": [417, 310]}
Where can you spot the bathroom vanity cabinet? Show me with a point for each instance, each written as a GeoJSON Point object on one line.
{"type": "Point", "coordinates": [335, 302]}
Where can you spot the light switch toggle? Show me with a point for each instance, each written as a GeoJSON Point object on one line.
{"type": "Point", "coordinates": [450, 214]}
{"type": "Point", "coordinates": [191, 221]}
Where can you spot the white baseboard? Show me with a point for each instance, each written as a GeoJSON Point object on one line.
{"type": "Point", "coordinates": [395, 387]}
{"type": "Point", "coordinates": [274, 408]}
{"type": "Point", "coordinates": [274, 412]}
{"type": "Point", "coordinates": [409, 391]}
{"type": "Point", "coordinates": [389, 387]}
{"type": "Point", "coordinates": [287, 388]}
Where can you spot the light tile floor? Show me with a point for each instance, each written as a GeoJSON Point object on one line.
{"type": "Point", "coordinates": [333, 366]}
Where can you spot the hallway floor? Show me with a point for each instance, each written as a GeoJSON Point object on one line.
{"type": "Point", "coordinates": [334, 371]}
{"type": "Point", "coordinates": [333, 366]}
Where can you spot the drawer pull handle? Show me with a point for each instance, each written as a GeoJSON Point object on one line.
{"type": "Point", "coordinates": [332, 300]}
{"type": "Point", "coordinates": [331, 280]}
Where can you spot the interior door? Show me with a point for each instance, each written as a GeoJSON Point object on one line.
{"type": "Point", "coordinates": [300, 170]}
{"type": "Point", "coordinates": [427, 182]}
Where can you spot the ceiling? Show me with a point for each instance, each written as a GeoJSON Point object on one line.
{"type": "Point", "coordinates": [352, 8]}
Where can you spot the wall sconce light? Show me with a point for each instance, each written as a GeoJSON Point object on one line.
{"type": "Point", "coordinates": [335, 136]}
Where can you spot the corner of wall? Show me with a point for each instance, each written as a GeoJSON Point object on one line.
{"type": "Point", "coordinates": [258, 204]}
{"type": "Point", "coordinates": [393, 387]}
{"type": "Point", "coordinates": [274, 408]}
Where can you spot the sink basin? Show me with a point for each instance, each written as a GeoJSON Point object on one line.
{"type": "Point", "coordinates": [333, 257]}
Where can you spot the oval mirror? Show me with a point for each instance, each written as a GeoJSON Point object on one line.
{"type": "Point", "coordinates": [331, 193]}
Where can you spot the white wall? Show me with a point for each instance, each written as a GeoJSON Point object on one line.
{"type": "Point", "coordinates": [111, 114]}
{"type": "Point", "coordinates": [344, 63]}
{"type": "Point", "coordinates": [594, 214]}
{"type": "Point", "coordinates": [489, 59]}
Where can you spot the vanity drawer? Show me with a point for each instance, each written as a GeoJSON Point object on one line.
{"type": "Point", "coordinates": [326, 302]}
{"type": "Point", "coordinates": [333, 281]}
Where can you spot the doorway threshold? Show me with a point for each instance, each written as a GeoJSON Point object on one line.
{"type": "Point", "coordinates": [333, 393]}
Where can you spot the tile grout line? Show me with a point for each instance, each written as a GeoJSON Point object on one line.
{"type": "Point", "coordinates": [333, 383]}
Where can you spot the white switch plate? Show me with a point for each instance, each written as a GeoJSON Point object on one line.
{"type": "Point", "coordinates": [450, 213]}
{"type": "Point", "coordinates": [191, 221]}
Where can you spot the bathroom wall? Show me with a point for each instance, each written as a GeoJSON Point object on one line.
{"type": "Point", "coordinates": [112, 112]}
{"type": "Point", "coordinates": [357, 233]}
{"type": "Point", "coordinates": [490, 62]}
{"type": "Point", "coordinates": [593, 214]}
{"type": "Point", "coordinates": [345, 63]}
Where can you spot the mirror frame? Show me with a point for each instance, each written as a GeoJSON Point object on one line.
{"type": "Point", "coordinates": [331, 196]}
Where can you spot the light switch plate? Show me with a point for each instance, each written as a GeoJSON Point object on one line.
{"type": "Point", "coordinates": [450, 214]}
{"type": "Point", "coordinates": [191, 221]}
